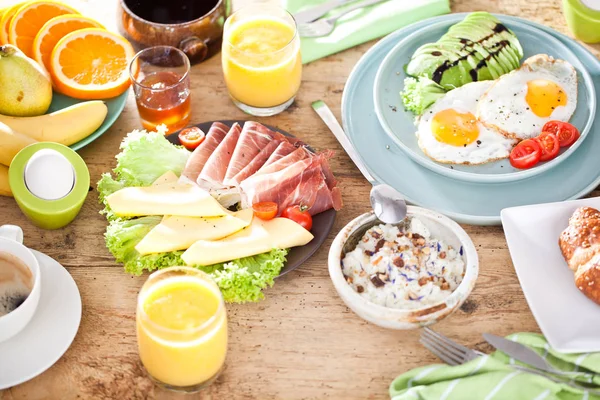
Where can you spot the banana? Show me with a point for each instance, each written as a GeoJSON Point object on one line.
{"type": "Point", "coordinates": [4, 186]}
{"type": "Point", "coordinates": [66, 126]}
{"type": "Point", "coordinates": [11, 143]}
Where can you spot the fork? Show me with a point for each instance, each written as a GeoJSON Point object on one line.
{"type": "Point", "coordinates": [325, 26]}
{"type": "Point", "coordinates": [453, 353]}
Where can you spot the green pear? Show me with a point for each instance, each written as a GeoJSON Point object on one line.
{"type": "Point", "coordinates": [25, 87]}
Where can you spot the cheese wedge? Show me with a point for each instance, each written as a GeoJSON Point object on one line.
{"type": "Point", "coordinates": [167, 177]}
{"type": "Point", "coordinates": [260, 237]}
{"type": "Point", "coordinates": [165, 199]}
{"type": "Point", "coordinates": [179, 233]}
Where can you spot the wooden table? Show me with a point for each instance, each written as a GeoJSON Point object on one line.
{"type": "Point", "coordinates": [301, 342]}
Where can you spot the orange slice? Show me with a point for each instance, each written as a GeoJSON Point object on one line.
{"type": "Point", "coordinates": [5, 22]}
{"type": "Point", "coordinates": [91, 63]}
{"type": "Point", "coordinates": [56, 29]}
{"type": "Point", "coordinates": [30, 18]}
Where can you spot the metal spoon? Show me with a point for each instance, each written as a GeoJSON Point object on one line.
{"type": "Point", "coordinates": [388, 204]}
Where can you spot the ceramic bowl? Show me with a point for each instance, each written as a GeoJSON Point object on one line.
{"type": "Point", "coordinates": [582, 20]}
{"type": "Point", "coordinates": [441, 227]}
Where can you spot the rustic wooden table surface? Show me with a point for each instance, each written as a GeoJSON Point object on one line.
{"type": "Point", "coordinates": [301, 342]}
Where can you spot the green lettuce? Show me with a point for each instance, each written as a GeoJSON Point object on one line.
{"type": "Point", "coordinates": [420, 93]}
{"type": "Point", "coordinates": [144, 158]}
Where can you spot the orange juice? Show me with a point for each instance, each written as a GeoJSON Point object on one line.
{"type": "Point", "coordinates": [261, 59]}
{"type": "Point", "coordinates": [181, 328]}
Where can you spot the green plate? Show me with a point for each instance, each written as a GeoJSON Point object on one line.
{"type": "Point", "coordinates": [115, 107]}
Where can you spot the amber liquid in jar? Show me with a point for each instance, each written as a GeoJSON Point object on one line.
{"type": "Point", "coordinates": [163, 98]}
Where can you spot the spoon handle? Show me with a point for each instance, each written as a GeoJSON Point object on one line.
{"type": "Point", "coordinates": [327, 116]}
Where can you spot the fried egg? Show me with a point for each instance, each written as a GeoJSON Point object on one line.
{"type": "Point", "coordinates": [449, 132]}
{"type": "Point", "coordinates": [521, 102]}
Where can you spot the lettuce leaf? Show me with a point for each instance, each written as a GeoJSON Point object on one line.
{"type": "Point", "coordinates": [143, 159]}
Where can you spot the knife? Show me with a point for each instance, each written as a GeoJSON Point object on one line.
{"type": "Point", "coordinates": [519, 352]}
{"type": "Point", "coordinates": [314, 13]}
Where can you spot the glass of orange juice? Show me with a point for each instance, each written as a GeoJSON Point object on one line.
{"type": "Point", "coordinates": [261, 59]}
{"type": "Point", "coordinates": [161, 84]}
{"type": "Point", "coordinates": [181, 328]}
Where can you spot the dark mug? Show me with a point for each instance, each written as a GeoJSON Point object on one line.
{"type": "Point", "coordinates": [195, 27]}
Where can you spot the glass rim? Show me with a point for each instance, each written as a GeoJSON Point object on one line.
{"type": "Point", "coordinates": [287, 45]}
{"type": "Point", "coordinates": [140, 309]}
{"type": "Point", "coordinates": [135, 58]}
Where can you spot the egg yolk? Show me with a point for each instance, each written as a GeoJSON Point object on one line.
{"type": "Point", "coordinates": [544, 96]}
{"type": "Point", "coordinates": [454, 128]}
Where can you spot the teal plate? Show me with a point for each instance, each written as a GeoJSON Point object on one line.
{"type": "Point", "coordinates": [115, 107]}
{"type": "Point", "coordinates": [466, 202]}
{"type": "Point", "coordinates": [400, 127]}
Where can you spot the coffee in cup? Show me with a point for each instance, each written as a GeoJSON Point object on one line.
{"type": "Point", "coordinates": [16, 282]}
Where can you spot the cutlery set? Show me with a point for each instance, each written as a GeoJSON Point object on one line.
{"type": "Point", "coordinates": [311, 24]}
{"type": "Point", "coordinates": [453, 353]}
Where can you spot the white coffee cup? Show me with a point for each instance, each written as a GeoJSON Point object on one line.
{"type": "Point", "coordinates": [11, 241]}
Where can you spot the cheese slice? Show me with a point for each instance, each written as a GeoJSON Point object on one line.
{"type": "Point", "coordinates": [260, 237]}
{"type": "Point", "coordinates": [167, 177]}
{"type": "Point", "coordinates": [179, 233]}
{"type": "Point", "coordinates": [165, 199]}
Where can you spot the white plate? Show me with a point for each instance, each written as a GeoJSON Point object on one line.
{"type": "Point", "coordinates": [51, 331]}
{"type": "Point", "coordinates": [569, 320]}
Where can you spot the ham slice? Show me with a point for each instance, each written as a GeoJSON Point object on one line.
{"type": "Point", "coordinates": [200, 155]}
{"type": "Point", "coordinates": [213, 173]}
{"type": "Point", "coordinates": [293, 157]}
{"type": "Point", "coordinates": [255, 164]}
{"type": "Point", "coordinates": [253, 139]}
{"type": "Point", "coordinates": [281, 151]}
{"type": "Point", "coordinates": [303, 182]}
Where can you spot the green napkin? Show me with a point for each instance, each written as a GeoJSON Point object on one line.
{"type": "Point", "coordinates": [365, 24]}
{"type": "Point", "coordinates": [492, 377]}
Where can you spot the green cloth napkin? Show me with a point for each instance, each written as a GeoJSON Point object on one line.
{"type": "Point", "coordinates": [365, 24]}
{"type": "Point", "coordinates": [492, 377]}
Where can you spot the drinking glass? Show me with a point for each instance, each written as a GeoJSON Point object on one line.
{"type": "Point", "coordinates": [181, 328]}
{"type": "Point", "coordinates": [161, 84]}
{"type": "Point", "coordinates": [261, 59]}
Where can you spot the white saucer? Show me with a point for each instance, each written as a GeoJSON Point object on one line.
{"type": "Point", "coordinates": [51, 331]}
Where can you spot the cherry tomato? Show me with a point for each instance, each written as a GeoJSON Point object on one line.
{"type": "Point", "coordinates": [549, 143]}
{"type": "Point", "coordinates": [191, 138]}
{"type": "Point", "coordinates": [566, 133]}
{"type": "Point", "coordinates": [265, 210]}
{"type": "Point", "coordinates": [300, 215]}
{"type": "Point", "coordinates": [526, 154]}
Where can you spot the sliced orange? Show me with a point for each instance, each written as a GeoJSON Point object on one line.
{"type": "Point", "coordinates": [30, 18]}
{"type": "Point", "coordinates": [7, 15]}
{"type": "Point", "coordinates": [91, 63]}
{"type": "Point", "coordinates": [56, 29]}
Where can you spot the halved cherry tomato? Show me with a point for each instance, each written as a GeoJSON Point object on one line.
{"type": "Point", "coordinates": [191, 137]}
{"type": "Point", "coordinates": [300, 215]}
{"type": "Point", "coordinates": [526, 154]}
{"type": "Point", "coordinates": [566, 133]}
{"type": "Point", "coordinates": [549, 143]}
{"type": "Point", "coordinates": [265, 210]}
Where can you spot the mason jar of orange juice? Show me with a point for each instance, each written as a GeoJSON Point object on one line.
{"type": "Point", "coordinates": [261, 59]}
{"type": "Point", "coordinates": [181, 328]}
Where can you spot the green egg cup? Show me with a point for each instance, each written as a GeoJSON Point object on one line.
{"type": "Point", "coordinates": [49, 214]}
{"type": "Point", "coordinates": [583, 22]}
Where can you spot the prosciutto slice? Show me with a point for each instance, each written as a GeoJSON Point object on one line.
{"type": "Point", "coordinates": [253, 139]}
{"type": "Point", "coordinates": [200, 155]}
{"type": "Point", "coordinates": [281, 151]}
{"type": "Point", "coordinates": [303, 182]}
{"type": "Point", "coordinates": [293, 157]}
{"type": "Point", "coordinates": [255, 164]}
{"type": "Point", "coordinates": [213, 173]}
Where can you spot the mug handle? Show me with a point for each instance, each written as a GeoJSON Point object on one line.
{"type": "Point", "coordinates": [12, 232]}
{"type": "Point", "coordinates": [194, 48]}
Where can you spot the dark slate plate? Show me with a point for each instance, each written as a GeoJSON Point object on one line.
{"type": "Point", "coordinates": [322, 223]}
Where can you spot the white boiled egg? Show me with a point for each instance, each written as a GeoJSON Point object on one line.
{"type": "Point", "coordinates": [49, 175]}
{"type": "Point", "coordinates": [521, 102]}
{"type": "Point", "coordinates": [449, 132]}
